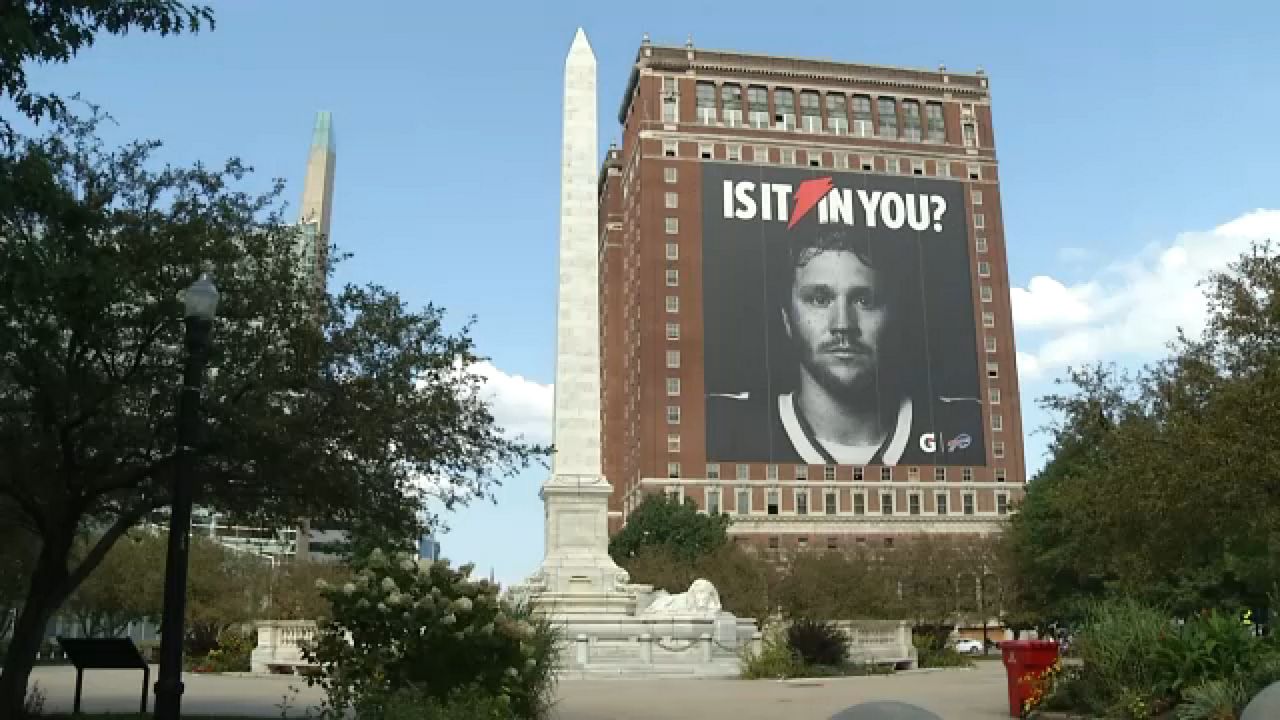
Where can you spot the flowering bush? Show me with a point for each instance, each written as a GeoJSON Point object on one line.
{"type": "Point", "coordinates": [1040, 685]}
{"type": "Point", "coordinates": [429, 631]}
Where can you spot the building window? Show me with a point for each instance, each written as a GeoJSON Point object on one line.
{"type": "Point", "coordinates": [670, 106]}
{"type": "Point", "coordinates": [886, 503]}
{"type": "Point", "coordinates": [672, 225]}
{"type": "Point", "coordinates": [743, 471]}
{"type": "Point", "coordinates": [733, 153]}
{"type": "Point", "coordinates": [891, 165]}
{"type": "Point", "coordinates": [670, 148]}
{"type": "Point", "coordinates": [705, 100]}
{"type": "Point", "coordinates": [887, 110]}
{"type": "Point", "coordinates": [802, 472]}
{"type": "Point", "coordinates": [673, 251]}
{"type": "Point", "coordinates": [1002, 504]}
{"type": "Point", "coordinates": [990, 343]}
{"type": "Point", "coordinates": [967, 475]}
{"type": "Point", "coordinates": [773, 542]}
{"type": "Point", "coordinates": [988, 319]}
{"type": "Point", "coordinates": [942, 168]}
{"type": "Point", "coordinates": [862, 116]}
{"type": "Point", "coordinates": [977, 197]}
{"type": "Point", "coordinates": [837, 114]}
{"type": "Point", "coordinates": [771, 501]}
{"type": "Point", "coordinates": [979, 221]}
{"type": "Point", "coordinates": [675, 494]}
{"type": "Point", "coordinates": [830, 502]}
{"type": "Point", "coordinates": [810, 111]}
{"type": "Point", "coordinates": [913, 504]}
{"type": "Point", "coordinates": [975, 172]}
{"type": "Point", "coordinates": [997, 449]}
{"type": "Point", "coordinates": [784, 108]}
{"type": "Point", "coordinates": [706, 151]}
{"type": "Point", "coordinates": [771, 472]}
{"type": "Point", "coordinates": [993, 371]}
{"type": "Point", "coordinates": [673, 470]}
{"type": "Point", "coordinates": [814, 157]}
{"type": "Point", "coordinates": [913, 474]}
{"type": "Point", "coordinates": [841, 160]}
{"type": "Point", "coordinates": [980, 243]}
{"type": "Point", "coordinates": [829, 473]}
{"type": "Point", "coordinates": [802, 542]}
{"type": "Point", "coordinates": [1001, 475]}
{"type": "Point", "coordinates": [888, 542]}
{"type": "Point", "coordinates": [673, 443]}
{"type": "Point", "coordinates": [968, 503]}
{"type": "Point", "coordinates": [940, 474]}
{"type": "Point", "coordinates": [744, 501]}
{"type": "Point", "coordinates": [673, 386]}
{"type": "Point", "coordinates": [670, 174]}
{"type": "Point", "coordinates": [940, 503]}
{"type": "Point", "coordinates": [985, 292]}
{"type": "Point", "coordinates": [917, 167]}
{"type": "Point", "coordinates": [731, 103]}
{"type": "Point", "coordinates": [936, 125]}
{"type": "Point", "coordinates": [859, 504]}
{"type": "Point", "coordinates": [760, 154]}
{"type": "Point", "coordinates": [673, 331]}
{"type": "Point", "coordinates": [911, 125]}
{"type": "Point", "coordinates": [833, 543]}
{"type": "Point", "coordinates": [788, 156]}
{"type": "Point", "coordinates": [886, 474]}
{"type": "Point", "coordinates": [758, 107]}
{"type": "Point", "coordinates": [673, 414]}
{"type": "Point", "coordinates": [672, 200]}
{"type": "Point", "coordinates": [673, 359]}
{"type": "Point", "coordinates": [802, 502]}
{"type": "Point", "coordinates": [993, 396]}
{"type": "Point", "coordinates": [997, 423]}
{"type": "Point", "coordinates": [970, 135]}
{"type": "Point", "coordinates": [713, 501]}
{"type": "Point", "coordinates": [673, 278]}
{"type": "Point", "coordinates": [713, 471]}
{"type": "Point", "coordinates": [673, 303]}
{"type": "Point", "coordinates": [984, 268]}
{"type": "Point", "coordinates": [868, 163]}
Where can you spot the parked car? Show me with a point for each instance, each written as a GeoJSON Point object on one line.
{"type": "Point", "coordinates": [969, 647]}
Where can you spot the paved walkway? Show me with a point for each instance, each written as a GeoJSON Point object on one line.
{"type": "Point", "coordinates": [977, 694]}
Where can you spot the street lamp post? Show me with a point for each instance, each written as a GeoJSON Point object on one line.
{"type": "Point", "coordinates": [201, 304]}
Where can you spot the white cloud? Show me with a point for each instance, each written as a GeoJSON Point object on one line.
{"type": "Point", "coordinates": [520, 406]}
{"type": "Point", "coordinates": [1132, 307]}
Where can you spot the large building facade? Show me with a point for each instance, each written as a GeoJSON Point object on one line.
{"type": "Point", "coordinates": [805, 314]}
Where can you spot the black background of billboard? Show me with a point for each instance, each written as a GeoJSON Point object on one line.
{"type": "Point", "coordinates": [746, 348]}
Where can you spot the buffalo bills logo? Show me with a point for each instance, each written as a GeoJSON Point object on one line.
{"type": "Point", "coordinates": [959, 442]}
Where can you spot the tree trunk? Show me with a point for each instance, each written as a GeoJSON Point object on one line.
{"type": "Point", "coordinates": [45, 594]}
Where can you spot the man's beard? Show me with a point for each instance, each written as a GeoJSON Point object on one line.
{"type": "Point", "coordinates": [861, 390]}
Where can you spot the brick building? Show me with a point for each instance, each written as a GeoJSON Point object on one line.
{"type": "Point", "coordinates": [688, 113]}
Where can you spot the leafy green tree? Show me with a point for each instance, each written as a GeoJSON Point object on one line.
{"type": "Point", "coordinates": [124, 588]}
{"type": "Point", "coordinates": [658, 521]}
{"type": "Point", "coordinates": [17, 554]}
{"type": "Point", "coordinates": [745, 582]}
{"type": "Point", "coordinates": [53, 31]}
{"type": "Point", "coordinates": [317, 405]}
{"type": "Point", "coordinates": [837, 585]}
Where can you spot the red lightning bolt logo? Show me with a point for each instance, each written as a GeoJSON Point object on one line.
{"type": "Point", "coordinates": [808, 195]}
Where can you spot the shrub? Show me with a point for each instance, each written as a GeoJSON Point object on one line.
{"type": "Point", "coordinates": [1214, 700]}
{"type": "Point", "coordinates": [468, 703]}
{"type": "Point", "coordinates": [776, 659]}
{"type": "Point", "coordinates": [232, 653]}
{"type": "Point", "coordinates": [934, 654]}
{"type": "Point", "coordinates": [403, 630]}
{"type": "Point", "coordinates": [1121, 674]}
{"type": "Point", "coordinates": [818, 643]}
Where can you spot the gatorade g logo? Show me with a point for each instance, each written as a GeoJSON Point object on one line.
{"type": "Point", "coordinates": [929, 442]}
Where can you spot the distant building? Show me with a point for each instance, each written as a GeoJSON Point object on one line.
{"type": "Point", "coordinates": [428, 548]}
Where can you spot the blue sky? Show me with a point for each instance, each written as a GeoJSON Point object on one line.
{"type": "Point", "coordinates": [1136, 142]}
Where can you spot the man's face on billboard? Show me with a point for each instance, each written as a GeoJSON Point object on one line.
{"type": "Point", "coordinates": [835, 320]}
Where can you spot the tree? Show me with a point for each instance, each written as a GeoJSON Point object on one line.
{"type": "Point", "coordinates": [318, 405]}
{"type": "Point", "coordinates": [744, 581]}
{"type": "Point", "coordinates": [837, 585]}
{"type": "Point", "coordinates": [658, 520]}
{"type": "Point", "coordinates": [124, 588]}
{"type": "Point", "coordinates": [17, 553]}
{"type": "Point", "coordinates": [49, 31]}
{"type": "Point", "coordinates": [1162, 485]}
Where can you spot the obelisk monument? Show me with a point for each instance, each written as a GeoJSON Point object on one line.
{"type": "Point", "coordinates": [577, 575]}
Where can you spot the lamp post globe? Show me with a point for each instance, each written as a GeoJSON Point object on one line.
{"type": "Point", "coordinates": [200, 306]}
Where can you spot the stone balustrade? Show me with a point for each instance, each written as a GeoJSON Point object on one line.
{"type": "Point", "coordinates": [279, 648]}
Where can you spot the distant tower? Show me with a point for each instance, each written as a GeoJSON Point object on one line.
{"type": "Point", "coordinates": [317, 195]}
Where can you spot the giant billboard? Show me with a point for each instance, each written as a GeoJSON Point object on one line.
{"type": "Point", "coordinates": [838, 319]}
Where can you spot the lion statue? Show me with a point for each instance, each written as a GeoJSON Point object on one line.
{"type": "Point", "coordinates": [701, 598]}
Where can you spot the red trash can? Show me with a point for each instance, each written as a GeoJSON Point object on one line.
{"type": "Point", "coordinates": [1023, 658]}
